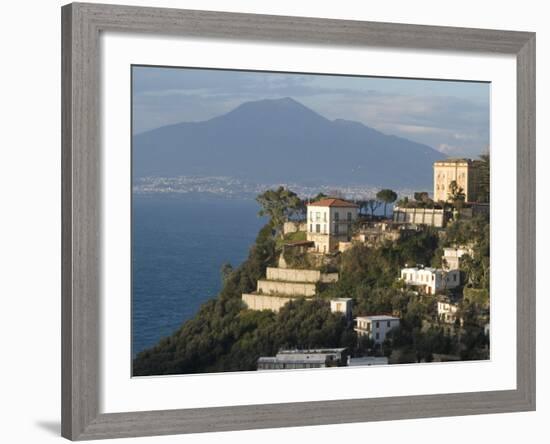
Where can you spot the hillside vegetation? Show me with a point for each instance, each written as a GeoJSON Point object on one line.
{"type": "Point", "coordinates": [225, 336]}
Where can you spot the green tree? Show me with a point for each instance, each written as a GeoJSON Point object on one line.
{"type": "Point", "coordinates": [387, 196]}
{"type": "Point", "coordinates": [421, 196]}
{"type": "Point", "coordinates": [279, 205]}
{"type": "Point", "coordinates": [226, 271]}
{"type": "Point", "coordinates": [456, 194]}
{"type": "Point", "coordinates": [484, 178]}
{"type": "Point", "coordinates": [319, 197]}
{"type": "Point", "coordinates": [423, 200]}
{"type": "Point", "coordinates": [372, 205]}
{"type": "Point", "coordinates": [476, 233]}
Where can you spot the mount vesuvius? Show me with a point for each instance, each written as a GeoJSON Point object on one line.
{"type": "Point", "coordinates": [281, 140]}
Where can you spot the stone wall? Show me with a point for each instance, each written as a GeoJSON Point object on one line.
{"type": "Point", "coordinates": [322, 241]}
{"type": "Point", "coordinates": [374, 237]}
{"type": "Point", "coordinates": [292, 275]}
{"type": "Point", "coordinates": [420, 216]}
{"type": "Point", "coordinates": [295, 275]}
{"type": "Point", "coordinates": [329, 278]}
{"type": "Point", "coordinates": [294, 226]}
{"type": "Point", "coordinates": [263, 302]}
{"type": "Point", "coordinates": [286, 288]}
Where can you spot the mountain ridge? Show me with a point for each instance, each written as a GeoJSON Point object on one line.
{"type": "Point", "coordinates": [278, 140]}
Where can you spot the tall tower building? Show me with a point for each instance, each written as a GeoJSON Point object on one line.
{"type": "Point", "coordinates": [464, 171]}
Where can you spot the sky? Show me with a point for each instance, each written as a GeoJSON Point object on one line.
{"type": "Point", "coordinates": [449, 116]}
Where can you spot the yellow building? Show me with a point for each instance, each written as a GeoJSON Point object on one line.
{"type": "Point", "coordinates": [464, 171]}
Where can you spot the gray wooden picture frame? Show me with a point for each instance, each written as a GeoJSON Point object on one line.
{"type": "Point", "coordinates": [81, 167]}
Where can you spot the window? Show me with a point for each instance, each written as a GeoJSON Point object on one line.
{"type": "Point", "coordinates": [336, 229]}
{"type": "Point", "coordinates": [454, 277]}
{"type": "Point", "coordinates": [349, 215]}
{"type": "Point", "coordinates": [317, 216]}
{"type": "Point", "coordinates": [337, 216]}
{"type": "Point", "coordinates": [377, 324]}
{"type": "Point", "coordinates": [389, 324]}
{"type": "Point", "coordinates": [317, 228]}
{"type": "Point", "coordinates": [311, 228]}
{"type": "Point", "coordinates": [377, 335]}
{"type": "Point", "coordinates": [325, 216]}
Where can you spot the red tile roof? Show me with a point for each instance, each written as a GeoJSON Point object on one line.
{"type": "Point", "coordinates": [333, 203]}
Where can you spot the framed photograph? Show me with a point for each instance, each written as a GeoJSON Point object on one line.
{"type": "Point", "coordinates": [278, 221]}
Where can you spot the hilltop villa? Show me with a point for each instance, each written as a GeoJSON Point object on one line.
{"type": "Point", "coordinates": [431, 280]}
{"type": "Point", "coordinates": [329, 222]}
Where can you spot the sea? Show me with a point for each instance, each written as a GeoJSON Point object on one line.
{"type": "Point", "coordinates": [179, 244]}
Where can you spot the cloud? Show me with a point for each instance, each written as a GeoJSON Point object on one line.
{"type": "Point", "coordinates": [449, 149]}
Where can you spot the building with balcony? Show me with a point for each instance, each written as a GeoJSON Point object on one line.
{"type": "Point", "coordinates": [376, 327]}
{"type": "Point", "coordinates": [329, 222]}
{"type": "Point", "coordinates": [430, 280]}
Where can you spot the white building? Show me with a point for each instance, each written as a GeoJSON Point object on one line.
{"type": "Point", "coordinates": [451, 257]}
{"type": "Point", "coordinates": [375, 327]}
{"type": "Point", "coordinates": [341, 305]}
{"type": "Point", "coordinates": [297, 359]}
{"type": "Point", "coordinates": [446, 311]}
{"type": "Point", "coordinates": [329, 222]}
{"type": "Point", "coordinates": [431, 280]}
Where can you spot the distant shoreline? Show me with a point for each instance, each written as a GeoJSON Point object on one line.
{"type": "Point", "coordinates": [225, 187]}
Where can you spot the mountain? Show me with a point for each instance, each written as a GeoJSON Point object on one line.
{"type": "Point", "coordinates": [275, 141]}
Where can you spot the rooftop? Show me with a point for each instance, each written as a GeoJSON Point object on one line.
{"type": "Point", "coordinates": [453, 160]}
{"type": "Point", "coordinates": [311, 351]}
{"type": "Point", "coordinates": [295, 359]}
{"type": "Point", "coordinates": [330, 202]}
{"type": "Point", "coordinates": [319, 356]}
{"type": "Point", "coordinates": [381, 317]}
{"type": "Point", "coordinates": [428, 269]}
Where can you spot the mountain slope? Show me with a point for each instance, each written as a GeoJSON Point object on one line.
{"type": "Point", "coordinates": [281, 140]}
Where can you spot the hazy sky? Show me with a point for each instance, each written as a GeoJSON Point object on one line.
{"type": "Point", "coordinates": [452, 117]}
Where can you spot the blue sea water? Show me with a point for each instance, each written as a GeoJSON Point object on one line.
{"type": "Point", "coordinates": [178, 247]}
